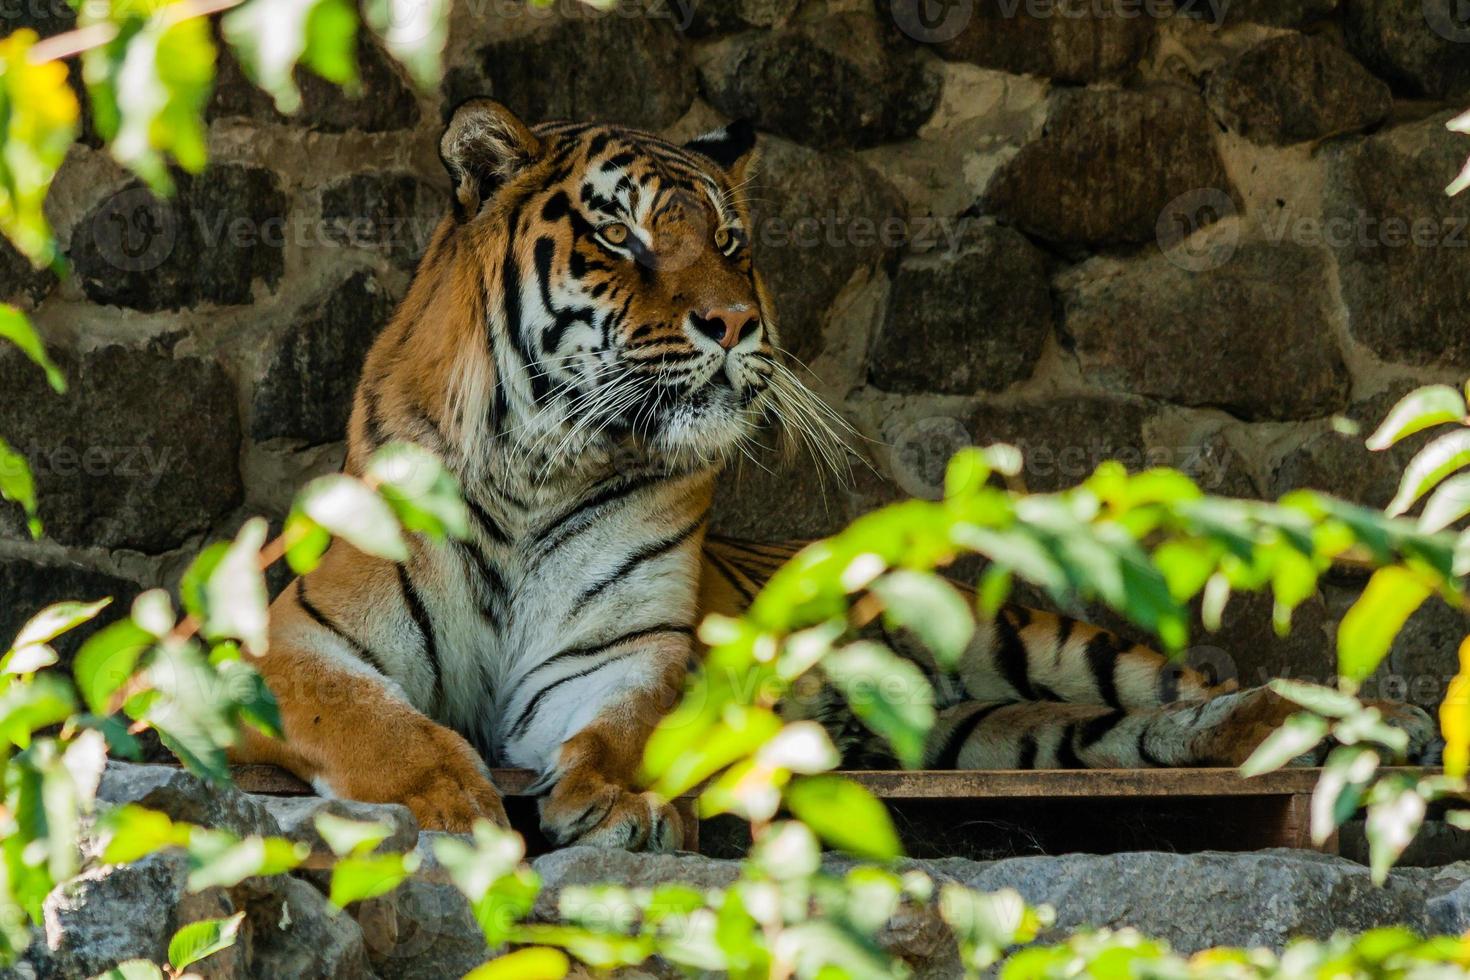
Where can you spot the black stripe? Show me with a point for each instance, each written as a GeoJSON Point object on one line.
{"type": "Point", "coordinates": [523, 720]}
{"type": "Point", "coordinates": [1065, 625]}
{"type": "Point", "coordinates": [647, 553]}
{"type": "Point", "coordinates": [1102, 658]}
{"type": "Point", "coordinates": [320, 618]}
{"type": "Point", "coordinates": [593, 649]}
{"type": "Point", "coordinates": [1144, 754]}
{"type": "Point", "coordinates": [1067, 757]}
{"type": "Point", "coordinates": [488, 525]}
{"type": "Point", "coordinates": [1011, 655]}
{"type": "Point", "coordinates": [426, 628]}
{"type": "Point", "coordinates": [1097, 729]}
{"type": "Point", "coordinates": [731, 576]}
{"type": "Point", "coordinates": [1027, 758]}
{"type": "Point", "coordinates": [556, 533]}
{"type": "Point", "coordinates": [1169, 676]}
{"type": "Point", "coordinates": [487, 580]}
{"type": "Point", "coordinates": [949, 754]}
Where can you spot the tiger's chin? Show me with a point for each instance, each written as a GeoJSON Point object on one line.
{"type": "Point", "coordinates": [708, 429]}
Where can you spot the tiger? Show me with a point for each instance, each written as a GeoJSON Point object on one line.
{"type": "Point", "coordinates": [586, 345]}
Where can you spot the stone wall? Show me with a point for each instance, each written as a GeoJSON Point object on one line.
{"type": "Point", "coordinates": [1098, 228]}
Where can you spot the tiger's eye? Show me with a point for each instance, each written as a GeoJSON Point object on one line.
{"type": "Point", "coordinates": [614, 234]}
{"type": "Point", "coordinates": [722, 239]}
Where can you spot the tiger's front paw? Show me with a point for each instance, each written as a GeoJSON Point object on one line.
{"type": "Point", "coordinates": [437, 775]}
{"type": "Point", "coordinates": [586, 809]}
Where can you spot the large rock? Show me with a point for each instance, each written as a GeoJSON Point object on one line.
{"type": "Point", "coordinates": [702, 19]}
{"type": "Point", "coordinates": [1076, 40]}
{"type": "Point", "coordinates": [305, 390]}
{"type": "Point", "coordinates": [1252, 899]}
{"type": "Point", "coordinates": [223, 232]}
{"type": "Point", "coordinates": [141, 452]}
{"type": "Point", "coordinates": [1397, 235]}
{"type": "Point", "coordinates": [421, 929]}
{"type": "Point", "coordinates": [1252, 335]}
{"type": "Point", "coordinates": [28, 586]}
{"type": "Point", "coordinates": [184, 796]}
{"type": "Point", "coordinates": [1340, 464]}
{"type": "Point", "coordinates": [394, 213]}
{"type": "Point", "coordinates": [965, 319]}
{"type": "Point", "coordinates": [819, 219]}
{"type": "Point", "coordinates": [296, 818]}
{"type": "Point", "coordinates": [1419, 45]}
{"type": "Point", "coordinates": [1063, 439]}
{"type": "Point", "coordinates": [776, 499]}
{"type": "Point", "coordinates": [312, 940]}
{"type": "Point", "coordinates": [614, 68]}
{"type": "Point", "coordinates": [1295, 87]}
{"type": "Point", "coordinates": [384, 101]}
{"type": "Point", "coordinates": [1107, 165]}
{"type": "Point", "coordinates": [114, 913]}
{"type": "Point", "coordinates": [1276, 13]}
{"type": "Point", "coordinates": [842, 81]}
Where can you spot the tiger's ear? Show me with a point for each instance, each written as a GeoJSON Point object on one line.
{"type": "Point", "coordinates": [732, 147]}
{"type": "Point", "coordinates": [483, 146]}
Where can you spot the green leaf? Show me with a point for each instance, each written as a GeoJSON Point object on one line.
{"type": "Point", "coordinates": [987, 924]}
{"type": "Point", "coordinates": [1369, 628]}
{"type": "Point", "coordinates": [306, 542]}
{"type": "Point", "coordinates": [149, 86]}
{"type": "Point", "coordinates": [270, 37]}
{"type": "Point", "coordinates": [132, 970]}
{"type": "Point", "coordinates": [106, 660]}
{"type": "Point", "coordinates": [28, 707]}
{"type": "Point", "coordinates": [235, 602]}
{"type": "Point", "coordinates": [18, 486]}
{"type": "Point", "coordinates": [1345, 778]}
{"type": "Point", "coordinates": [888, 693]}
{"type": "Point", "coordinates": [221, 860]}
{"type": "Point", "coordinates": [38, 120]}
{"type": "Point", "coordinates": [1432, 464]}
{"type": "Point", "coordinates": [351, 837]}
{"type": "Point", "coordinates": [422, 492]}
{"type": "Point", "coordinates": [1418, 410]}
{"type": "Point", "coordinates": [358, 878]}
{"type": "Point", "coordinates": [844, 815]}
{"type": "Point", "coordinates": [413, 31]}
{"type": "Point", "coordinates": [1394, 817]}
{"type": "Point", "coordinates": [132, 832]}
{"type": "Point", "coordinates": [1316, 698]}
{"type": "Point", "coordinates": [348, 509]}
{"type": "Point", "coordinates": [1448, 503]}
{"type": "Point", "coordinates": [930, 608]}
{"type": "Point", "coordinates": [16, 328]}
{"type": "Point", "coordinates": [1300, 734]}
{"type": "Point", "coordinates": [55, 620]}
{"type": "Point", "coordinates": [206, 937]}
{"type": "Point", "coordinates": [532, 963]}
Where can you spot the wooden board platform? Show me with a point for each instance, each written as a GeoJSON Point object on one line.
{"type": "Point", "coordinates": [1054, 810]}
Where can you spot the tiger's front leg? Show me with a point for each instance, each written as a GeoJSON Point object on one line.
{"type": "Point", "coordinates": [594, 797]}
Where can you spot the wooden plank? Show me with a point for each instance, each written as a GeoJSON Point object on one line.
{"type": "Point", "coordinates": [960, 784]}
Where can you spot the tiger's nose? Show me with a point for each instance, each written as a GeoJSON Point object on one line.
{"type": "Point", "coordinates": [726, 325]}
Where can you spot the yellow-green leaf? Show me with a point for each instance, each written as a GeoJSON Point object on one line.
{"type": "Point", "coordinates": [1369, 628]}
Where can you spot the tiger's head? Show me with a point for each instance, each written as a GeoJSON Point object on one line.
{"type": "Point", "coordinates": [618, 288]}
